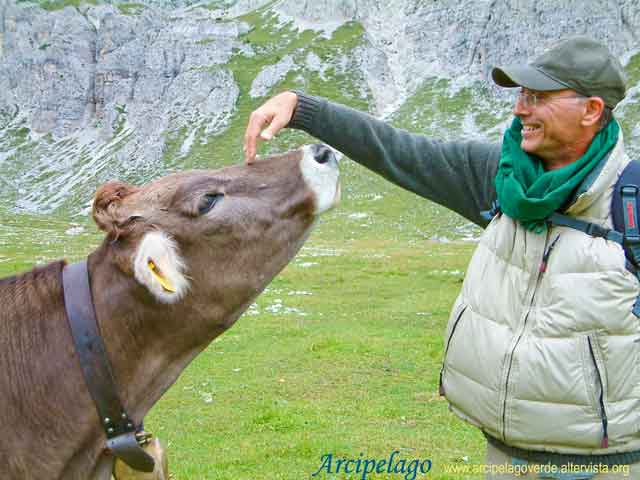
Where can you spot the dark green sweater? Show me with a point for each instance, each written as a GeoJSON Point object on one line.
{"type": "Point", "coordinates": [457, 175]}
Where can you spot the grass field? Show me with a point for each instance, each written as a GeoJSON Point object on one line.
{"type": "Point", "coordinates": [339, 357]}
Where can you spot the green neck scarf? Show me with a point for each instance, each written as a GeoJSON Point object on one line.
{"type": "Point", "coordinates": [529, 193]}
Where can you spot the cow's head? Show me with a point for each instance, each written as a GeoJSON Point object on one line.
{"type": "Point", "coordinates": [213, 239]}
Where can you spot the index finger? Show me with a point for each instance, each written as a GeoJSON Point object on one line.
{"type": "Point", "coordinates": [256, 121]}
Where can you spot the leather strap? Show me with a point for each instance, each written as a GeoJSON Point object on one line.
{"type": "Point", "coordinates": [629, 195]}
{"type": "Point", "coordinates": [96, 369]}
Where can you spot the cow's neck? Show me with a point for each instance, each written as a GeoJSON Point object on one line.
{"type": "Point", "coordinates": [149, 343]}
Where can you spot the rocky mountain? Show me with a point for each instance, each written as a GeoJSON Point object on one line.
{"type": "Point", "coordinates": [98, 90]}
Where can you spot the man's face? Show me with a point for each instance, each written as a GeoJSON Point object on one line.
{"type": "Point", "coordinates": [552, 127]}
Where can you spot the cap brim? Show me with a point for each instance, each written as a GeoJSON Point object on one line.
{"type": "Point", "coordinates": [525, 76]}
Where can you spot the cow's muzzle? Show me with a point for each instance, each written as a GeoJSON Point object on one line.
{"type": "Point", "coordinates": [319, 167]}
{"type": "Point", "coordinates": [322, 153]}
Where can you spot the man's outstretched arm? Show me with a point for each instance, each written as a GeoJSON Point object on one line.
{"type": "Point", "coordinates": [457, 175]}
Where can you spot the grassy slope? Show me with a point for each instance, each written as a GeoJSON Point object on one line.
{"type": "Point", "coordinates": [53, 5]}
{"type": "Point", "coordinates": [357, 374]}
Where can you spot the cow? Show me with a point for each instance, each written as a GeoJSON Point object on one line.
{"type": "Point", "coordinates": [183, 257]}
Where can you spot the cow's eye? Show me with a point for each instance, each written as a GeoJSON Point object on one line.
{"type": "Point", "coordinates": [208, 202]}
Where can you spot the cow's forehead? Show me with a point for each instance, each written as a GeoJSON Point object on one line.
{"type": "Point", "coordinates": [184, 179]}
{"type": "Point", "coordinates": [273, 165]}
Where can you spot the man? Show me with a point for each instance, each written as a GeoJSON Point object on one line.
{"type": "Point", "coordinates": [541, 349]}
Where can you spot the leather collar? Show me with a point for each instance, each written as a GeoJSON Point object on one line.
{"type": "Point", "coordinates": [123, 436]}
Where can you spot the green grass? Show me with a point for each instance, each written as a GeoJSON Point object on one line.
{"type": "Point", "coordinates": [131, 8]}
{"type": "Point", "coordinates": [632, 69]}
{"type": "Point", "coordinates": [53, 5]}
{"type": "Point", "coordinates": [357, 374]}
{"type": "Point", "coordinates": [218, 4]}
{"type": "Point", "coordinates": [629, 113]}
{"type": "Point", "coordinates": [438, 110]}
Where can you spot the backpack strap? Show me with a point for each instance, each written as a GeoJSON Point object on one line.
{"type": "Point", "coordinates": [561, 220]}
{"type": "Point", "coordinates": [589, 228]}
{"type": "Point", "coordinates": [630, 244]}
{"type": "Point", "coordinates": [624, 212]}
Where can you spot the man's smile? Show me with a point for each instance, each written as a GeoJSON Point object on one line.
{"type": "Point", "coordinates": [530, 131]}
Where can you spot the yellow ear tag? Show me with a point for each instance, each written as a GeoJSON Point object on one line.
{"type": "Point", "coordinates": [163, 281]}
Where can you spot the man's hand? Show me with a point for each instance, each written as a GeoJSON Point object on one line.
{"type": "Point", "coordinates": [275, 114]}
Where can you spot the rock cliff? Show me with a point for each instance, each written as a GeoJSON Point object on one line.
{"type": "Point", "coordinates": [112, 89]}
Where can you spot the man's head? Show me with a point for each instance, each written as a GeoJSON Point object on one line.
{"type": "Point", "coordinates": [566, 97]}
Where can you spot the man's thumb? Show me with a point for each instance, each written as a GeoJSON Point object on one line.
{"type": "Point", "coordinates": [266, 134]}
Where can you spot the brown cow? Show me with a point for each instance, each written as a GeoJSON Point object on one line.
{"type": "Point", "coordinates": [184, 256]}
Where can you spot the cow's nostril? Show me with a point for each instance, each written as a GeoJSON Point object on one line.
{"type": "Point", "coordinates": [322, 153]}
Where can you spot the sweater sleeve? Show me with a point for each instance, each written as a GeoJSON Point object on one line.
{"type": "Point", "coordinates": [458, 175]}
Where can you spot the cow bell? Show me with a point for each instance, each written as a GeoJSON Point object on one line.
{"type": "Point", "coordinates": [122, 471]}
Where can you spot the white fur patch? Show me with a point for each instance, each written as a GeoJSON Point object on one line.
{"type": "Point", "coordinates": [160, 249]}
{"type": "Point", "coordinates": [322, 178]}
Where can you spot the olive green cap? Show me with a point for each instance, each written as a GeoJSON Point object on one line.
{"type": "Point", "coordinates": [579, 63]}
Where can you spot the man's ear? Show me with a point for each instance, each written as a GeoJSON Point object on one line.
{"type": "Point", "coordinates": [594, 106]}
{"type": "Point", "coordinates": [158, 266]}
{"type": "Point", "coordinates": [108, 211]}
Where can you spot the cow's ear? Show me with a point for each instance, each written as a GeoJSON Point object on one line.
{"type": "Point", "coordinates": [159, 267]}
{"type": "Point", "coordinates": [108, 212]}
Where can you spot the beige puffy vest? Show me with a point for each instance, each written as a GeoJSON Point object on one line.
{"type": "Point", "coordinates": [549, 360]}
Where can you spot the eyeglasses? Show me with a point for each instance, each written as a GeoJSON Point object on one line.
{"type": "Point", "coordinates": [528, 99]}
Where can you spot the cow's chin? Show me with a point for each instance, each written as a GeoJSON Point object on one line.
{"type": "Point", "coordinates": [221, 310]}
{"type": "Point", "coordinates": [293, 247]}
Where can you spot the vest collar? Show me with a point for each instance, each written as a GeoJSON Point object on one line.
{"type": "Point", "coordinates": [600, 180]}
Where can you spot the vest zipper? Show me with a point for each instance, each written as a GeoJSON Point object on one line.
{"type": "Point", "coordinates": [506, 387]}
{"type": "Point", "coordinates": [603, 413]}
{"type": "Point", "coordinates": [547, 254]}
{"type": "Point", "coordinates": [542, 268]}
{"type": "Point", "coordinates": [446, 350]}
